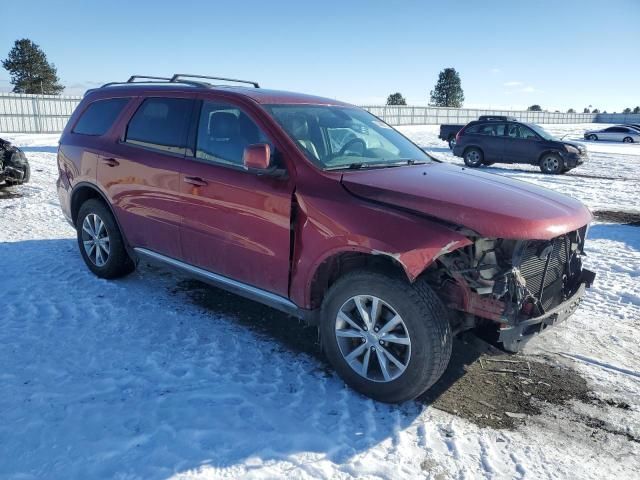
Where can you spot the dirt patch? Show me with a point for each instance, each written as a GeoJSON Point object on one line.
{"type": "Point", "coordinates": [492, 388]}
{"type": "Point", "coordinates": [627, 218]}
{"type": "Point", "coordinates": [599, 426]}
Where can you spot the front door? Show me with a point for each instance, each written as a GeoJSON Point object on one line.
{"type": "Point", "coordinates": [521, 144]}
{"type": "Point", "coordinates": [141, 173]}
{"type": "Point", "coordinates": [235, 223]}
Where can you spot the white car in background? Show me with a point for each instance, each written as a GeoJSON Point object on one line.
{"type": "Point", "coordinates": [618, 133]}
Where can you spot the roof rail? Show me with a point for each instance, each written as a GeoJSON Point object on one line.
{"type": "Point", "coordinates": [176, 78]}
{"type": "Point", "coordinates": [133, 78]}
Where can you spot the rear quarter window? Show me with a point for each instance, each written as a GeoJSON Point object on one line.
{"type": "Point", "coordinates": [99, 116]}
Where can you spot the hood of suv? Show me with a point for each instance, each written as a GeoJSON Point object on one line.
{"type": "Point", "coordinates": [491, 205]}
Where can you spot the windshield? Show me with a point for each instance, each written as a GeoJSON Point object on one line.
{"type": "Point", "coordinates": [336, 137]}
{"type": "Point", "coordinates": [541, 131]}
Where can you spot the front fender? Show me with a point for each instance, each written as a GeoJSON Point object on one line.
{"type": "Point", "coordinates": [334, 224]}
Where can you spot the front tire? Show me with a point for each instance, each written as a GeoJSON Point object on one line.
{"type": "Point", "coordinates": [452, 142]}
{"type": "Point", "coordinates": [100, 241]}
{"type": "Point", "coordinates": [592, 137]}
{"type": "Point", "coordinates": [387, 339]}
{"type": "Point", "coordinates": [473, 157]}
{"type": "Point", "coordinates": [551, 163]}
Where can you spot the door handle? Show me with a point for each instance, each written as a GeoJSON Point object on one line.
{"type": "Point", "coordinates": [196, 181]}
{"type": "Point", "coordinates": [111, 162]}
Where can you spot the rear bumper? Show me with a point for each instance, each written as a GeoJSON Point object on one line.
{"type": "Point", "coordinates": [516, 336]}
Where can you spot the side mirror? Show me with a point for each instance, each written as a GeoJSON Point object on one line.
{"type": "Point", "coordinates": [257, 157]}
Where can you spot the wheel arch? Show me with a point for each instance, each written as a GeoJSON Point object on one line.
{"type": "Point", "coordinates": [84, 191]}
{"type": "Point", "coordinates": [408, 266]}
{"type": "Point", "coordinates": [470, 146]}
{"type": "Point", "coordinates": [337, 264]}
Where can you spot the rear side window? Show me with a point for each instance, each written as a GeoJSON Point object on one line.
{"type": "Point", "coordinates": [492, 129]}
{"type": "Point", "coordinates": [99, 116]}
{"type": "Point", "coordinates": [161, 124]}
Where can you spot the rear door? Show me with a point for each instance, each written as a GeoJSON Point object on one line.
{"type": "Point", "coordinates": [141, 172]}
{"type": "Point", "coordinates": [236, 223]}
{"type": "Point", "coordinates": [489, 137]}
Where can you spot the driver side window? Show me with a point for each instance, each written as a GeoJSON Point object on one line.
{"type": "Point", "coordinates": [224, 131]}
{"type": "Point", "coordinates": [522, 132]}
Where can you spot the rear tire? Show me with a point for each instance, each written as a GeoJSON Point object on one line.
{"type": "Point", "coordinates": [473, 157]}
{"type": "Point", "coordinates": [551, 163]}
{"type": "Point", "coordinates": [627, 140]}
{"type": "Point", "coordinates": [100, 241]}
{"type": "Point", "coordinates": [423, 323]}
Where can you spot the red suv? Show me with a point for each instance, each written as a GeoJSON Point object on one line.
{"type": "Point", "coordinates": [319, 209]}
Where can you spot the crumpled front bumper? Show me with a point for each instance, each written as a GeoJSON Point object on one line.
{"type": "Point", "coordinates": [514, 337]}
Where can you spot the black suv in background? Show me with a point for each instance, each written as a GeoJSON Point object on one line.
{"type": "Point", "coordinates": [508, 141]}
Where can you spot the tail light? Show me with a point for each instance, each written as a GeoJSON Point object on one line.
{"type": "Point", "coordinates": [460, 132]}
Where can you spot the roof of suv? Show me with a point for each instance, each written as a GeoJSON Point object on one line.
{"type": "Point", "coordinates": [259, 95]}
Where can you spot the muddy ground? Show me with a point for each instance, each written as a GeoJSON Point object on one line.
{"type": "Point", "coordinates": [482, 384]}
{"type": "Point", "coordinates": [627, 218]}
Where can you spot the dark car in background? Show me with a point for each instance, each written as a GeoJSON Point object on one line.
{"type": "Point", "coordinates": [14, 166]}
{"type": "Point", "coordinates": [497, 141]}
{"type": "Point", "coordinates": [448, 132]}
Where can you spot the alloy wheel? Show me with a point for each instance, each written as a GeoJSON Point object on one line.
{"type": "Point", "coordinates": [95, 239]}
{"type": "Point", "coordinates": [473, 157]}
{"type": "Point", "coordinates": [373, 339]}
{"type": "Point", "coordinates": [551, 163]}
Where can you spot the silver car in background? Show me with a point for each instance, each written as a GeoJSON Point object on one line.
{"type": "Point", "coordinates": [618, 133]}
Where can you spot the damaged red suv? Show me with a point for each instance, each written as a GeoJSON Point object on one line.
{"type": "Point", "coordinates": [319, 209]}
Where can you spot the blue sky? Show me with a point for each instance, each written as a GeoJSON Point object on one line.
{"type": "Point", "coordinates": [559, 54]}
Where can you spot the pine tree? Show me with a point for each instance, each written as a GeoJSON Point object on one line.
{"type": "Point", "coordinates": [30, 71]}
{"type": "Point", "coordinates": [626, 110]}
{"type": "Point", "coordinates": [586, 110]}
{"type": "Point", "coordinates": [571, 110]}
{"type": "Point", "coordinates": [595, 110]}
{"type": "Point", "coordinates": [448, 90]}
{"type": "Point", "coordinates": [636, 110]}
{"type": "Point", "coordinates": [396, 99]}
{"type": "Point", "coordinates": [535, 108]}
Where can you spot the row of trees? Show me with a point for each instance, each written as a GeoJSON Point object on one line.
{"type": "Point", "coordinates": [448, 93]}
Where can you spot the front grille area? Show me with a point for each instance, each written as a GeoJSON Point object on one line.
{"type": "Point", "coordinates": [543, 264]}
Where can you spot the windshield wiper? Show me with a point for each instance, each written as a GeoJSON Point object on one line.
{"type": "Point", "coordinates": [361, 165]}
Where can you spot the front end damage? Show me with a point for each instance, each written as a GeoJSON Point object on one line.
{"type": "Point", "coordinates": [14, 167]}
{"type": "Point", "coordinates": [524, 286]}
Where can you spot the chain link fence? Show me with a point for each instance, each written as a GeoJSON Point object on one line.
{"type": "Point", "coordinates": [401, 115]}
{"type": "Point", "coordinates": [49, 114]}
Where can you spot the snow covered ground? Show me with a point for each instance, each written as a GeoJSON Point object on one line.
{"type": "Point", "coordinates": [133, 379]}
